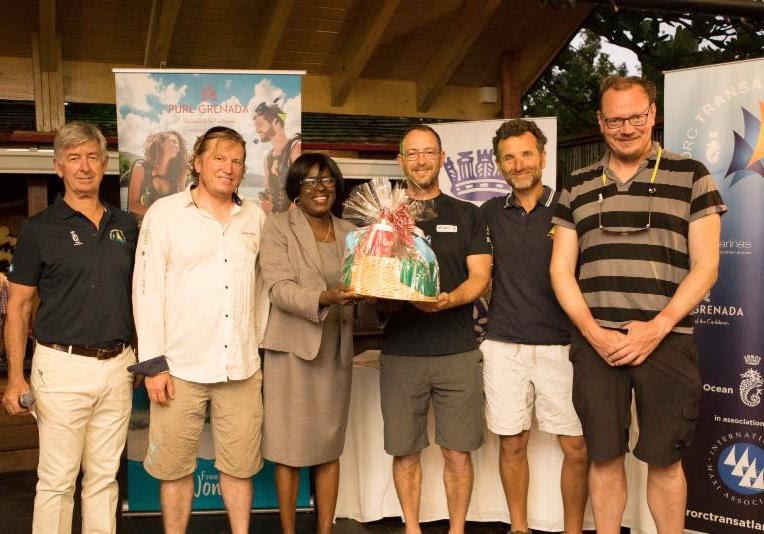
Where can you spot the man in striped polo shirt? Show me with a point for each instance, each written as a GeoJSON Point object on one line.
{"type": "Point", "coordinates": [636, 247]}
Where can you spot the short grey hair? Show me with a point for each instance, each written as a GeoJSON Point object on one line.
{"type": "Point", "coordinates": [76, 133]}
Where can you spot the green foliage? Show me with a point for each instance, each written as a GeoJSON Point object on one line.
{"type": "Point", "coordinates": [569, 88]}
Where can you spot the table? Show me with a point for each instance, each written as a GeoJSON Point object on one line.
{"type": "Point", "coordinates": [367, 493]}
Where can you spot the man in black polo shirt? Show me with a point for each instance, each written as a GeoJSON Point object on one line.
{"type": "Point", "coordinates": [78, 254]}
{"type": "Point", "coordinates": [430, 352]}
{"type": "Point", "coordinates": [525, 354]}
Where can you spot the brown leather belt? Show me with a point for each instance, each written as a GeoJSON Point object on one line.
{"type": "Point", "coordinates": [91, 352]}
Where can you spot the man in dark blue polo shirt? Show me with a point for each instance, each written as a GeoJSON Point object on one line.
{"type": "Point", "coordinates": [78, 255]}
{"type": "Point", "coordinates": [528, 335]}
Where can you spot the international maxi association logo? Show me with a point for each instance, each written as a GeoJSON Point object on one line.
{"type": "Point", "coordinates": [474, 176]}
{"type": "Point", "coordinates": [735, 466]}
{"type": "Point", "coordinates": [748, 154]}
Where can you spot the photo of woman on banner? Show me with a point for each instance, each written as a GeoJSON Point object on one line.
{"type": "Point", "coordinates": [307, 370]}
{"type": "Point", "coordinates": [269, 122]}
{"type": "Point", "coordinates": [161, 172]}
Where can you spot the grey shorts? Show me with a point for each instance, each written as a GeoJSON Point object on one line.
{"type": "Point", "coordinates": [454, 385]}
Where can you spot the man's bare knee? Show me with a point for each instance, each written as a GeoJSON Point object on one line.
{"type": "Point", "coordinates": [612, 467]}
{"type": "Point", "coordinates": [515, 447]}
{"type": "Point", "coordinates": [574, 449]}
{"type": "Point", "coordinates": [666, 472]}
{"type": "Point", "coordinates": [456, 460]}
{"type": "Point", "coordinates": [408, 462]}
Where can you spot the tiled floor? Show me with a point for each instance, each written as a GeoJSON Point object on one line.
{"type": "Point", "coordinates": [17, 496]}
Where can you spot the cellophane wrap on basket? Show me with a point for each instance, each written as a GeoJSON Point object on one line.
{"type": "Point", "coordinates": [388, 256]}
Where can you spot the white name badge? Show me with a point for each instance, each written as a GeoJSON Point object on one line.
{"type": "Point", "coordinates": [446, 228]}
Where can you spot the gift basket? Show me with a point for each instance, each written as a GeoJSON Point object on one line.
{"type": "Point", "coordinates": [388, 256]}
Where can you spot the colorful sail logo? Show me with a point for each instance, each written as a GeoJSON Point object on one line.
{"type": "Point", "coordinates": [748, 155]}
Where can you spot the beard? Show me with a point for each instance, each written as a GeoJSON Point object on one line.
{"type": "Point", "coordinates": [631, 155]}
{"type": "Point", "coordinates": [423, 182]}
{"type": "Point", "coordinates": [267, 135]}
{"type": "Point", "coordinates": [525, 183]}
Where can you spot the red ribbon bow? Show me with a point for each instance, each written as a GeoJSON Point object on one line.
{"type": "Point", "coordinates": [404, 223]}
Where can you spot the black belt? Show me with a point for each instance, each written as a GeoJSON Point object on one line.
{"type": "Point", "coordinates": [84, 350]}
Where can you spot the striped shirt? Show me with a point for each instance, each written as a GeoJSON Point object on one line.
{"type": "Point", "coordinates": [627, 276]}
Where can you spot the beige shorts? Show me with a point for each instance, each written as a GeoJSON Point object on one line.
{"type": "Point", "coordinates": [236, 417]}
{"type": "Point", "coordinates": [516, 377]}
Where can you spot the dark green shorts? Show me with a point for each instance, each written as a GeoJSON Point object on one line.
{"type": "Point", "coordinates": [454, 385]}
{"type": "Point", "coordinates": [667, 388]}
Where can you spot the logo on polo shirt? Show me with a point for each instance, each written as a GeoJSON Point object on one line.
{"type": "Point", "coordinates": [75, 238]}
{"type": "Point", "coordinates": [735, 465]}
{"type": "Point", "coordinates": [117, 235]}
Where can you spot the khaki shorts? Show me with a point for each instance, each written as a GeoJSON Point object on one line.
{"type": "Point", "coordinates": [516, 377]}
{"type": "Point", "coordinates": [454, 384]}
{"type": "Point", "coordinates": [236, 416]}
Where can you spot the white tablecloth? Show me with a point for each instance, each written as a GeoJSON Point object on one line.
{"type": "Point", "coordinates": [367, 492]}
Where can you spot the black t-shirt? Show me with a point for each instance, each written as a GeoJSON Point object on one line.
{"type": "Point", "coordinates": [83, 274]}
{"type": "Point", "coordinates": [523, 306]}
{"type": "Point", "coordinates": [458, 231]}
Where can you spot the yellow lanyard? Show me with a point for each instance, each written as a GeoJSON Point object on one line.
{"type": "Point", "coordinates": [655, 168]}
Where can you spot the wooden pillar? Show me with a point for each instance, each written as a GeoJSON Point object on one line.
{"type": "Point", "coordinates": [47, 70]}
{"type": "Point", "coordinates": [37, 193]}
{"type": "Point", "coordinates": [510, 91]}
{"type": "Point", "coordinates": [48, 89]}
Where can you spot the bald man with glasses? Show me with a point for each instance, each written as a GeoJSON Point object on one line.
{"type": "Point", "coordinates": [636, 247]}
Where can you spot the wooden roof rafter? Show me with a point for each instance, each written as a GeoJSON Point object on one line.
{"type": "Point", "coordinates": [164, 13]}
{"type": "Point", "coordinates": [275, 17]}
{"type": "Point", "coordinates": [359, 47]}
{"type": "Point", "coordinates": [468, 24]}
{"type": "Point", "coordinates": [543, 47]}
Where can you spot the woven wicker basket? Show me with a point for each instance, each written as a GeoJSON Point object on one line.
{"type": "Point", "coordinates": [375, 276]}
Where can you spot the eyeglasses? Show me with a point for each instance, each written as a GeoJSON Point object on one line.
{"type": "Point", "coordinates": [650, 192]}
{"type": "Point", "coordinates": [311, 182]}
{"type": "Point", "coordinates": [624, 230]}
{"type": "Point", "coordinates": [428, 153]}
{"type": "Point", "coordinates": [640, 119]}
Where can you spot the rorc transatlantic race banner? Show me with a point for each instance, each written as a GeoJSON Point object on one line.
{"type": "Point", "coordinates": [714, 115]}
{"type": "Point", "coordinates": [160, 114]}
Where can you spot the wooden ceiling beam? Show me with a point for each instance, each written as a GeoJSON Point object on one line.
{"type": "Point", "coordinates": [543, 47]}
{"type": "Point", "coordinates": [359, 47]}
{"type": "Point", "coordinates": [270, 29]}
{"type": "Point", "coordinates": [164, 13]}
{"type": "Point", "coordinates": [465, 29]}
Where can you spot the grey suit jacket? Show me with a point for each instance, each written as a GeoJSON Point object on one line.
{"type": "Point", "coordinates": [291, 272]}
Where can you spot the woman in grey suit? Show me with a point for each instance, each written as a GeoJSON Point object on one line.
{"type": "Point", "coordinates": [309, 338]}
